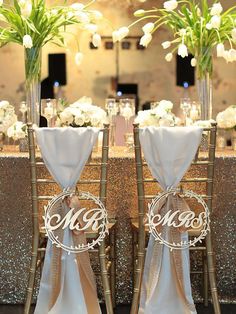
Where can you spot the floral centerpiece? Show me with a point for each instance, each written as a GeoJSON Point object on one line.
{"type": "Point", "coordinates": [161, 115]}
{"type": "Point", "coordinates": [198, 29]}
{"type": "Point", "coordinates": [32, 24]}
{"type": "Point", "coordinates": [227, 118]}
{"type": "Point", "coordinates": [7, 116]}
{"type": "Point", "coordinates": [17, 131]}
{"type": "Point", "coordinates": [82, 113]}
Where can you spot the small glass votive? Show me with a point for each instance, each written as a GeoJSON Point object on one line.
{"type": "Point", "coordinates": [221, 139]}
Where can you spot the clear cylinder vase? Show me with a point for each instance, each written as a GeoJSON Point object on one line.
{"type": "Point", "coordinates": [32, 83]}
{"type": "Point", "coordinates": [204, 85]}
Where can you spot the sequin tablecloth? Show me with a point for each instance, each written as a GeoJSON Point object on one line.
{"type": "Point", "coordinates": [15, 228]}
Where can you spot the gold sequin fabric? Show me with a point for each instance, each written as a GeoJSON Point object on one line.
{"type": "Point", "coordinates": [16, 227]}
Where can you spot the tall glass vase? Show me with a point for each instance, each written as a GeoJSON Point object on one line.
{"type": "Point", "coordinates": [204, 82]}
{"type": "Point", "coordinates": [32, 83]}
{"type": "Point", "coordinates": [204, 85]}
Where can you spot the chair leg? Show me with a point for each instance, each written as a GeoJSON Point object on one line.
{"type": "Point", "coordinates": [105, 279]}
{"type": "Point", "coordinates": [31, 281]}
{"type": "Point", "coordinates": [138, 271]}
{"type": "Point", "coordinates": [205, 278]}
{"type": "Point", "coordinates": [211, 271]}
{"type": "Point", "coordinates": [113, 266]}
{"type": "Point", "coordinates": [134, 245]}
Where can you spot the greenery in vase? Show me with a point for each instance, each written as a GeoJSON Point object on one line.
{"type": "Point", "coordinates": [197, 28]}
{"type": "Point", "coordinates": [32, 24]}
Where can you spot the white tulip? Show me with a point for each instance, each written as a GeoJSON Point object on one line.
{"type": "Point", "coordinates": [170, 5]}
{"type": "Point", "coordinates": [169, 57]}
{"type": "Point", "coordinates": [183, 50]}
{"type": "Point", "coordinates": [77, 6]}
{"type": "Point", "coordinates": [95, 14]}
{"type": "Point", "coordinates": [27, 41]}
{"type": "Point", "coordinates": [208, 26]}
{"type": "Point", "coordinates": [193, 62]}
{"type": "Point", "coordinates": [25, 7]}
{"type": "Point", "coordinates": [182, 32]}
{"type": "Point", "coordinates": [145, 39]}
{"type": "Point", "coordinates": [232, 53]}
{"type": "Point", "coordinates": [82, 17]}
{"type": "Point", "coordinates": [148, 28]}
{"type": "Point", "coordinates": [96, 40]}
{"type": "Point", "coordinates": [215, 21]}
{"type": "Point", "coordinates": [2, 18]}
{"type": "Point", "coordinates": [79, 58]}
{"type": "Point", "coordinates": [166, 44]}
{"type": "Point", "coordinates": [233, 33]}
{"type": "Point", "coordinates": [115, 36]}
{"type": "Point", "coordinates": [220, 48]}
{"type": "Point", "coordinates": [216, 9]}
{"type": "Point", "coordinates": [92, 28]}
{"type": "Point", "coordinates": [139, 13]}
{"type": "Point", "coordinates": [123, 32]}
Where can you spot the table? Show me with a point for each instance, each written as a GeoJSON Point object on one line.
{"type": "Point", "coordinates": [15, 228]}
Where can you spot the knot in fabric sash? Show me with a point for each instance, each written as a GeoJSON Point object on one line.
{"type": "Point", "coordinates": [172, 203]}
{"type": "Point", "coordinates": [82, 259]}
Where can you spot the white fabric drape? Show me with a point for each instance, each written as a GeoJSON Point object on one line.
{"type": "Point", "coordinates": [168, 152]}
{"type": "Point", "coordinates": [65, 152]}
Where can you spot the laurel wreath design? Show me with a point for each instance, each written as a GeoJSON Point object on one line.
{"type": "Point", "coordinates": [103, 227]}
{"type": "Point", "coordinates": [183, 244]}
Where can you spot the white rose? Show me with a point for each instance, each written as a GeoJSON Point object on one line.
{"type": "Point", "coordinates": [170, 5]}
{"type": "Point", "coordinates": [1, 113]}
{"type": "Point", "coordinates": [166, 104]}
{"type": "Point", "coordinates": [220, 48]}
{"type": "Point", "coordinates": [79, 120]}
{"type": "Point", "coordinates": [215, 21]}
{"type": "Point", "coordinates": [95, 121]}
{"type": "Point", "coordinates": [66, 116]}
{"type": "Point", "coordinates": [233, 33]}
{"type": "Point", "coordinates": [27, 41]}
{"type": "Point", "coordinates": [145, 40]}
{"type": "Point", "coordinates": [86, 118]}
{"type": "Point", "coordinates": [182, 50]}
{"type": "Point", "coordinates": [159, 111]}
{"type": "Point", "coordinates": [148, 28]}
{"type": "Point", "coordinates": [166, 44]}
{"type": "Point", "coordinates": [25, 7]}
{"type": "Point", "coordinates": [78, 58]}
{"type": "Point", "coordinates": [4, 104]}
{"type": "Point", "coordinates": [96, 40]}
{"type": "Point", "coordinates": [216, 9]}
{"type": "Point", "coordinates": [193, 62]}
{"type": "Point", "coordinates": [169, 57]}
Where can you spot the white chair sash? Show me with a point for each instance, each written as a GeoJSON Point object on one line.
{"type": "Point", "coordinates": [168, 152]}
{"type": "Point", "coordinates": [65, 152]}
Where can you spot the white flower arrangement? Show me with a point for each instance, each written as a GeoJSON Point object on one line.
{"type": "Point", "coordinates": [17, 131]}
{"type": "Point", "coordinates": [7, 116]}
{"type": "Point", "coordinates": [159, 116]}
{"type": "Point", "coordinates": [197, 27]}
{"type": "Point", "coordinates": [227, 118]}
{"type": "Point", "coordinates": [82, 113]}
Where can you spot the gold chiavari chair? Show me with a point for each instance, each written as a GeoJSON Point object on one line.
{"type": "Point", "coordinates": [40, 190]}
{"type": "Point", "coordinates": [194, 180]}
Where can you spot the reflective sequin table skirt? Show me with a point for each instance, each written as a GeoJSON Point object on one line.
{"type": "Point", "coordinates": [15, 228]}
